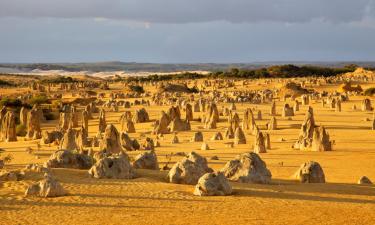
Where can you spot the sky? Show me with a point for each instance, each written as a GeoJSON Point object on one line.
{"type": "Point", "coordinates": [186, 31]}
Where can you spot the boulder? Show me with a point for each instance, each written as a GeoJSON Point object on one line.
{"type": "Point", "coordinates": [146, 160]}
{"type": "Point", "coordinates": [364, 180]}
{"type": "Point", "coordinates": [48, 187]}
{"type": "Point", "coordinates": [141, 116]}
{"type": "Point", "coordinates": [114, 166]}
{"type": "Point", "coordinates": [247, 168]}
{"type": "Point", "coordinates": [179, 125]}
{"type": "Point", "coordinates": [217, 136]}
{"type": "Point", "coordinates": [211, 184]}
{"type": "Point", "coordinates": [197, 137]}
{"type": "Point", "coordinates": [49, 137]}
{"type": "Point", "coordinates": [68, 159]}
{"type": "Point", "coordinates": [189, 169]}
{"type": "Point", "coordinates": [310, 172]}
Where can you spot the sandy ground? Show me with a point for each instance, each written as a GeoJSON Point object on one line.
{"type": "Point", "coordinates": [151, 200]}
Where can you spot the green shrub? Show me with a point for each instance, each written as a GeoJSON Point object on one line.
{"type": "Point", "coordinates": [5, 83]}
{"type": "Point", "coordinates": [137, 88]}
{"type": "Point", "coordinates": [10, 102]}
{"type": "Point", "coordinates": [21, 130]}
{"type": "Point", "coordinates": [50, 116]}
{"type": "Point", "coordinates": [39, 99]}
{"type": "Point", "coordinates": [370, 91]}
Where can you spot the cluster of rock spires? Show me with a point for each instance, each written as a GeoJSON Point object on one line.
{"type": "Point", "coordinates": [112, 162]}
{"type": "Point", "coordinates": [311, 136]}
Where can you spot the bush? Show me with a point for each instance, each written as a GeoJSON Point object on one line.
{"type": "Point", "coordinates": [5, 83]}
{"type": "Point", "coordinates": [58, 80]}
{"type": "Point", "coordinates": [21, 130]}
{"type": "Point", "coordinates": [194, 89]}
{"type": "Point", "coordinates": [50, 116]}
{"type": "Point", "coordinates": [10, 102]}
{"type": "Point", "coordinates": [137, 88]}
{"type": "Point", "coordinates": [370, 91]}
{"type": "Point", "coordinates": [39, 99]}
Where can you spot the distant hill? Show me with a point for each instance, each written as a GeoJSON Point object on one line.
{"type": "Point", "coordinates": [155, 67]}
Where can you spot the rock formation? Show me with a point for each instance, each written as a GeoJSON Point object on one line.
{"type": "Point", "coordinates": [33, 125]}
{"type": "Point", "coordinates": [8, 127]}
{"type": "Point", "coordinates": [272, 125]}
{"type": "Point", "coordinates": [259, 143]}
{"type": "Point", "coordinates": [68, 159]}
{"type": "Point", "coordinates": [189, 112]}
{"type": "Point", "coordinates": [115, 167]}
{"type": "Point", "coordinates": [247, 168]}
{"type": "Point", "coordinates": [211, 184]}
{"type": "Point", "coordinates": [48, 187]}
{"type": "Point", "coordinates": [189, 170]}
{"type": "Point", "coordinates": [141, 116]}
{"type": "Point", "coordinates": [366, 105]}
{"type": "Point", "coordinates": [68, 141]}
{"type": "Point", "coordinates": [310, 172]}
{"type": "Point", "coordinates": [197, 137]}
{"type": "Point", "coordinates": [102, 121]}
{"type": "Point", "coordinates": [146, 160]}
{"type": "Point", "coordinates": [307, 130]}
{"type": "Point", "coordinates": [217, 136]}
{"type": "Point", "coordinates": [111, 140]}
{"type": "Point", "coordinates": [127, 143]}
{"type": "Point", "coordinates": [239, 136]}
{"type": "Point", "coordinates": [320, 141]}
{"type": "Point", "coordinates": [287, 111]}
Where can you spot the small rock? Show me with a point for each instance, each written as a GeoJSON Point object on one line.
{"type": "Point", "coordinates": [364, 180]}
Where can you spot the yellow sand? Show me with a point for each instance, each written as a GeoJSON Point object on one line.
{"type": "Point", "coordinates": [151, 200]}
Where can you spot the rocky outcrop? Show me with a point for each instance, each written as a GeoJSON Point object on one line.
{"type": "Point", "coordinates": [259, 143]}
{"type": "Point", "coordinates": [146, 160]}
{"type": "Point", "coordinates": [33, 125]}
{"type": "Point", "coordinates": [197, 137]}
{"type": "Point", "coordinates": [189, 169]}
{"type": "Point", "coordinates": [212, 184]}
{"type": "Point", "coordinates": [179, 125]}
{"type": "Point", "coordinates": [320, 141]}
{"type": "Point", "coordinates": [239, 136]}
{"type": "Point", "coordinates": [307, 130]}
{"type": "Point", "coordinates": [8, 127]}
{"type": "Point", "coordinates": [141, 116]}
{"type": "Point", "coordinates": [68, 159]}
{"type": "Point", "coordinates": [68, 141]}
{"type": "Point", "coordinates": [49, 137]}
{"type": "Point", "coordinates": [115, 167]}
{"type": "Point", "coordinates": [111, 140]}
{"type": "Point", "coordinates": [161, 125]}
{"type": "Point", "coordinates": [247, 168]}
{"type": "Point", "coordinates": [127, 143]}
{"type": "Point", "coordinates": [48, 187]}
{"type": "Point", "coordinates": [310, 172]}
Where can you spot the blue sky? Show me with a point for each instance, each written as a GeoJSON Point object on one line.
{"type": "Point", "coordinates": [186, 31]}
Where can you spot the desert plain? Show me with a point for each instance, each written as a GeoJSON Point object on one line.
{"type": "Point", "coordinates": [150, 197]}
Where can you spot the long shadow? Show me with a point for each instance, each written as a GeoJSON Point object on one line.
{"type": "Point", "coordinates": [143, 198]}
{"type": "Point", "coordinates": [70, 204]}
{"type": "Point", "coordinates": [348, 127]}
{"type": "Point", "coordinates": [292, 196]}
{"type": "Point", "coordinates": [279, 185]}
